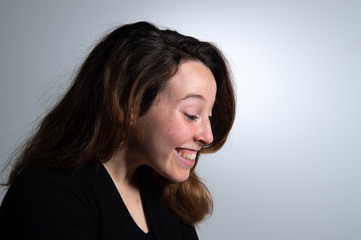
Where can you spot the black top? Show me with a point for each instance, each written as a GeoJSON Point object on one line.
{"type": "Point", "coordinates": [83, 204]}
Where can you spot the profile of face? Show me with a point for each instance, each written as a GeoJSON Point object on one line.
{"type": "Point", "coordinates": [177, 124]}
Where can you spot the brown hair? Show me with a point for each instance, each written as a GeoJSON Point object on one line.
{"type": "Point", "coordinates": [116, 84]}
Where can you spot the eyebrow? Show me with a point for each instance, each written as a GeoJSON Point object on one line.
{"type": "Point", "coordinates": [191, 95]}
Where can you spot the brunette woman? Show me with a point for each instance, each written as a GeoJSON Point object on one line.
{"type": "Point", "coordinates": [115, 158]}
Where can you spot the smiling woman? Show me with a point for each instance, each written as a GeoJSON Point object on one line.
{"type": "Point", "coordinates": [115, 158]}
{"type": "Point", "coordinates": [180, 122]}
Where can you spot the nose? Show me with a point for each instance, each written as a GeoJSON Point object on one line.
{"type": "Point", "coordinates": [204, 133]}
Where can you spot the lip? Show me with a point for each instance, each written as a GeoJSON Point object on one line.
{"type": "Point", "coordinates": [187, 162]}
{"type": "Point", "coordinates": [187, 150]}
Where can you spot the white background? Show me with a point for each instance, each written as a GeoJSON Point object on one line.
{"type": "Point", "coordinates": [291, 169]}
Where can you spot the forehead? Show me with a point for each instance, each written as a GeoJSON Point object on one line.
{"type": "Point", "coordinates": [193, 79]}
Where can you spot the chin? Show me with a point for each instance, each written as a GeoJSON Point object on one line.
{"type": "Point", "coordinates": [178, 177]}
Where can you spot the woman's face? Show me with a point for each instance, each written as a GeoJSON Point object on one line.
{"type": "Point", "coordinates": [177, 124]}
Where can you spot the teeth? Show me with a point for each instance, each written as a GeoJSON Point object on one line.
{"type": "Point", "coordinates": [189, 156]}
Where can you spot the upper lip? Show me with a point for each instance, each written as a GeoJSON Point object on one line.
{"type": "Point", "coordinates": [188, 149]}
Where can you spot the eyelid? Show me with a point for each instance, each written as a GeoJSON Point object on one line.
{"type": "Point", "coordinates": [191, 116]}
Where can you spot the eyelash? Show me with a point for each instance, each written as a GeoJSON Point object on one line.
{"type": "Point", "coordinates": [191, 117]}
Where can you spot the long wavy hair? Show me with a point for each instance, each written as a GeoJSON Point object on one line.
{"type": "Point", "coordinates": [117, 83]}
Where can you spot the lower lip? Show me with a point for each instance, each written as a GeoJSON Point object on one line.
{"type": "Point", "coordinates": [189, 163]}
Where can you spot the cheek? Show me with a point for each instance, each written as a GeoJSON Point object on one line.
{"type": "Point", "coordinates": [178, 132]}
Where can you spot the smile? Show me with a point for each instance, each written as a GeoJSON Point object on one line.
{"type": "Point", "coordinates": [188, 156]}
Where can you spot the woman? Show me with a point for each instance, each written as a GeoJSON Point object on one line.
{"type": "Point", "coordinates": [115, 157]}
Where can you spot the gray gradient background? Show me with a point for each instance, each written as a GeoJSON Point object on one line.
{"type": "Point", "coordinates": [291, 169]}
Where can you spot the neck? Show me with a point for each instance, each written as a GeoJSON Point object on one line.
{"type": "Point", "coordinates": [122, 167]}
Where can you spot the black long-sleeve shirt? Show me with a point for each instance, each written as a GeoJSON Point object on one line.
{"type": "Point", "coordinates": [81, 204]}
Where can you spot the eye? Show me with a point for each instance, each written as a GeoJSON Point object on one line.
{"type": "Point", "coordinates": [191, 117]}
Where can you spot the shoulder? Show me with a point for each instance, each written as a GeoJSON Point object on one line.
{"type": "Point", "coordinates": [39, 183]}
{"type": "Point", "coordinates": [43, 200]}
